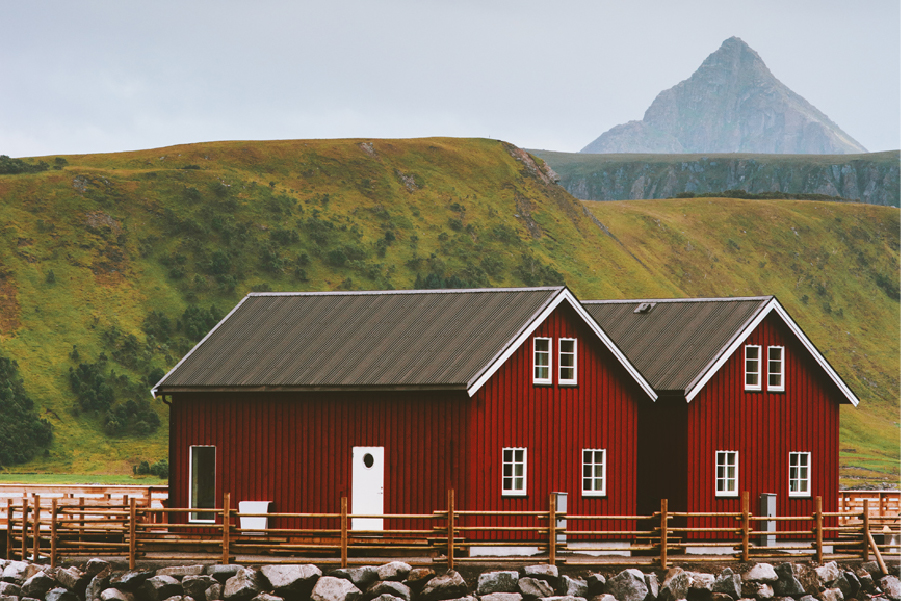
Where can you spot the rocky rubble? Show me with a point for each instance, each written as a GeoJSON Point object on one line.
{"type": "Point", "coordinates": [398, 581]}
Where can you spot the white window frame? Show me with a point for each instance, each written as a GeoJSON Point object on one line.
{"type": "Point", "coordinates": [550, 361]}
{"type": "Point", "coordinates": [592, 476]}
{"type": "Point", "coordinates": [193, 517]}
{"type": "Point", "coordinates": [759, 372]}
{"type": "Point", "coordinates": [722, 461]}
{"type": "Point", "coordinates": [513, 491]}
{"type": "Point", "coordinates": [803, 474]}
{"type": "Point", "coordinates": [772, 372]}
{"type": "Point", "coordinates": [560, 366]}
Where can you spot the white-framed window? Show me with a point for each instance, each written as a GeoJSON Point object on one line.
{"type": "Point", "coordinates": [799, 474]}
{"type": "Point", "coordinates": [752, 367]}
{"type": "Point", "coordinates": [566, 361]}
{"type": "Point", "coordinates": [513, 480]}
{"type": "Point", "coordinates": [541, 361]}
{"type": "Point", "coordinates": [594, 472]}
{"type": "Point", "coordinates": [727, 473]}
{"type": "Point", "coordinates": [202, 476]}
{"type": "Point", "coordinates": [775, 368]}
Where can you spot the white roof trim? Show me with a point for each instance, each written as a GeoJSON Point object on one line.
{"type": "Point", "coordinates": [743, 334]}
{"type": "Point", "coordinates": [537, 320]}
{"type": "Point", "coordinates": [196, 346]}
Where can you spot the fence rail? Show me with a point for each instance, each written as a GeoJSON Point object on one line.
{"type": "Point", "coordinates": [67, 527]}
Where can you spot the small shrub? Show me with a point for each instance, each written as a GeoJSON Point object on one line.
{"type": "Point", "coordinates": [51, 277]}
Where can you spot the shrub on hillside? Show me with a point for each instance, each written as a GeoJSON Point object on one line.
{"type": "Point", "coordinates": [21, 431]}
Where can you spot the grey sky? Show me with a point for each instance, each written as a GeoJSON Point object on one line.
{"type": "Point", "coordinates": [105, 76]}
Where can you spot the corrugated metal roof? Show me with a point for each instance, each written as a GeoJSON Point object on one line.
{"type": "Point", "coordinates": [360, 339]}
{"type": "Point", "coordinates": [675, 341]}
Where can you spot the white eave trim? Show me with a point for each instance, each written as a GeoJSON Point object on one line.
{"type": "Point", "coordinates": [745, 332]}
{"type": "Point", "coordinates": [196, 346]}
{"type": "Point", "coordinates": [537, 320]}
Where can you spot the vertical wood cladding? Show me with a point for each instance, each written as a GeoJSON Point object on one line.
{"type": "Point", "coordinates": [294, 449]}
{"type": "Point", "coordinates": [764, 427]}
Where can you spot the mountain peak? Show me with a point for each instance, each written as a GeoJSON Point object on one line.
{"type": "Point", "coordinates": [731, 104]}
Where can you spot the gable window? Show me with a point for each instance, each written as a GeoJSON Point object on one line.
{"type": "Point", "coordinates": [594, 472]}
{"type": "Point", "coordinates": [203, 483]}
{"type": "Point", "coordinates": [752, 367]}
{"type": "Point", "coordinates": [775, 368]}
{"type": "Point", "coordinates": [799, 474]}
{"type": "Point", "coordinates": [727, 473]}
{"type": "Point", "coordinates": [513, 481]}
{"type": "Point", "coordinates": [541, 360]}
{"type": "Point", "coordinates": [567, 361]}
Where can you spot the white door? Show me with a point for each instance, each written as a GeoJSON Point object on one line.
{"type": "Point", "coordinates": [368, 492]}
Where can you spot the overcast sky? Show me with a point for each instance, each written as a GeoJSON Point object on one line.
{"type": "Point", "coordinates": [105, 76]}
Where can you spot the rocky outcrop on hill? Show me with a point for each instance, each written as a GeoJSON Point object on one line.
{"type": "Point", "coordinates": [732, 103]}
{"type": "Point", "coordinates": [871, 178]}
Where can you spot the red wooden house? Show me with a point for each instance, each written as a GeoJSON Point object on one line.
{"type": "Point", "coordinates": [745, 403]}
{"type": "Point", "coordinates": [391, 398]}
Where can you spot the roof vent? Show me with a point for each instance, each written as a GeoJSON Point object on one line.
{"type": "Point", "coordinates": [644, 307]}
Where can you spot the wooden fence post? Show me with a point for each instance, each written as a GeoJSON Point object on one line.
{"type": "Point", "coordinates": [343, 532]}
{"type": "Point", "coordinates": [664, 542]}
{"type": "Point", "coordinates": [9, 527]}
{"type": "Point", "coordinates": [745, 526]}
{"type": "Point", "coordinates": [80, 521]}
{"type": "Point", "coordinates": [36, 529]}
{"type": "Point", "coordinates": [866, 529]}
{"type": "Point", "coordinates": [450, 529]}
{"type": "Point", "coordinates": [132, 533]}
{"type": "Point", "coordinates": [24, 527]}
{"type": "Point", "coordinates": [53, 509]}
{"type": "Point", "coordinates": [226, 528]}
{"type": "Point", "coordinates": [819, 528]}
{"type": "Point", "coordinates": [552, 530]}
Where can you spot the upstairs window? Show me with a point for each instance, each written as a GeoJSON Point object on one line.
{"type": "Point", "coordinates": [513, 481]}
{"type": "Point", "coordinates": [594, 472]}
{"type": "Point", "coordinates": [727, 473]}
{"type": "Point", "coordinates": [775, 368]}
{"type": "Point", "coordinates": [752, 367]}
{"type": "Point", "coordinates": [567, 361]}
{"type": "Point", "coordinates": [799, 474]}
{"type": "Point", "coordinates": [541, 360]}
{"type": "Point", "coordinates": [203, 483]}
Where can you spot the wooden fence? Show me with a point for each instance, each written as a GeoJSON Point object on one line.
{"type": "Point", "coordinates": [450, 536]}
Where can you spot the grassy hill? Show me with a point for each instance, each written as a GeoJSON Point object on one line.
{"type": "Point", "coordinates": [120, 262]}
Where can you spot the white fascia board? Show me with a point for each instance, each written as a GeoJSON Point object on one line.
{"type": "Point", "coordinates": [743, 334]}
{"type": "Point", "coordinates": [537, 320]}
{"type": "Point", "coordinates": [196, 346]}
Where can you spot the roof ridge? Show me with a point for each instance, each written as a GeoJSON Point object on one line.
{"type": "Point", "coordinates": [393, 292]}
{"type": "Point", "coordinates": [680, 300]}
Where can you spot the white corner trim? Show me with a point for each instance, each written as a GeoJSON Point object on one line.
{"type": "Point", "coordinates": [196, 346]}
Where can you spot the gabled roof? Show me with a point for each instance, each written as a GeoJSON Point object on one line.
{"type": "Point", "coordinates": [679, 344]}
{"type": "Point", "coordinates": [394, 340]}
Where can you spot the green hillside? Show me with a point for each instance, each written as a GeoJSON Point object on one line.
{"type": "Point", "coordinates": [112, 266]}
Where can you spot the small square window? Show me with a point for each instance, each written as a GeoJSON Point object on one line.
{"type": "Point", "coordinates": [594, 472]}
{"type": "Point", "coordinates": [799, 474]}
{"type": "Point", "coordinates": [752, 367]}
{"type": "Point", "coordinates": [567, 361]}
{"type": "Point", "coordinates": [541, 361]}
{"type": "Point", "coordinates": [203, 483]}
{"type": "Point", "coordinates": [727, 473]}
{"type": "Point", "coordinates": [775, 368]}
{"type": "Point", "coordinates": [513, 465]}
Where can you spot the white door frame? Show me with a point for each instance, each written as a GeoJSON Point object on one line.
{"type": "Point", "coordinates": [368, 490]}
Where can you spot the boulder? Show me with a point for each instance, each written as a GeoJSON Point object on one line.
{"type": "Point", "coordinates": [181, 571]}
{"type": "Point", "coordinates": [542, 571]}
{"type": "Point", "coordinates": [563, 598]}
{"type": "Point", "coordinates": [97, 584]}
{"type": "Point", "coordinates": [214, 593]}
{"type": "Point", "coordinates": [246, 584]}
{"type": "Point", "coordinates": [715, 596]}
{"type": "Point", "coordinates": [891, 587]}
{"type": "Point", "coordinates": [94, 566]}
{"type": "Point", "coordinates": [827, 573]}
{"type": "Point", "coordinates": [808, 598]}
{"type": "Point", "coordinates": [762, 572]}
{"type": "Point", "coordinates": [728, 583]}
{"type": "Point", "coordinates": [700, 586]}
{"type": "Point", "coordinates": [449, 586]}
{"type": "Point", "coordinates": [628, 585]}
{"type": "Point", "coordinates": [195, 586]}
{"type": "Point", "coordinates": [848, 584]}
{"type": "Point", "coordinates": [596, 585]}
{"type": "Point", "coordinates": [675, 585]}
{"type": "Point", "coordinates": [867, 584]}
{"type": "Point", "coordinates": [789, 587]}
{"type": "Point", "coordinates": [115, 594]}
{"type": "Point", "coordinates": [362, 577]}
{"type": "Point", "coordinates": [576, 587]}
{"type": "Point", "coordinates": [222, 572]}
{"type": "Point", "coordinates": [501, 597]}
{"type": "Point", "coordinates": [14, 572]}
{"type": "Point", "coordinates": [393, 570]}
{"type": "Point", "coordinates": [417, 578]}
{"type": "Point", "coordinates": [38, 585]}
{"type": "Point", "coordinates": [765, 591]}
{"type": "Point", "coordinates": [131, 580]}
{"type": "Point", "coordinates": [386, 598]}
{"type": "Point", "coordinates": [329, 588]}
{"type": "Point", "coordinates": [8, 598]}
{"type": "Point", "coordinates": [73, 579]}
{"type": "Point", "coordinates": [603, 598]}
{"type": "Point", "coordinates": [291, 580]}
{"type": "Point", "coordinates": [534, 588]}
{"type": "Point", "coordinates": [267, 597]}
{"type": "Point", "coordinates": [832, 594]}
{"type": "Point", "coordinates": [390, 587]}
{"type": "Point", "coordinates": [650, 581]}
{"type": "Point", "coordinates": [60, 594]}
{"type": "Point", "coordinates": [497, 582]}
{"type": "Point", "coordinates": [8, 589]}
{"type": "Point", "coordinates": [160, 588]}
{"type": "Point", "coordinates": [787, 569]}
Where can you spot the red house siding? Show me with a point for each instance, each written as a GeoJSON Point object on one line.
{"type": "Point", "coordinates": [764, 427]}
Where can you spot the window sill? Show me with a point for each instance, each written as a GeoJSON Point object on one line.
{"type": "Point", "coordinates": [726, 495]}
{"type": "Point", "coordinates": [568, 384]}
{"type": "Point", "coordinates": [805, 495]}
{"type": "Point", "coordinates": [542, 384]}
{"type": "Point", "coordinates": [593, 494]}
{"type": "Point", "coordinates": [513, 494]}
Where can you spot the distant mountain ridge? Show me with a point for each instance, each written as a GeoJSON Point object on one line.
{"type": "Point", "coordinates": [731, 104]}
